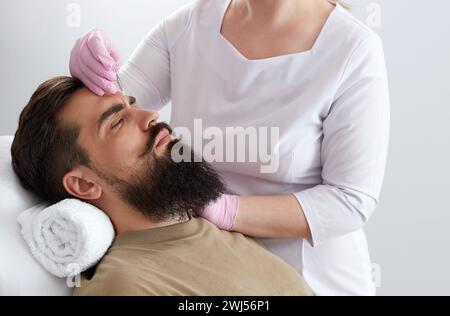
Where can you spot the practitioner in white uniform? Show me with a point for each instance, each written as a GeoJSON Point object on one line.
{"type": "Point", "coordinates": [307, 67]}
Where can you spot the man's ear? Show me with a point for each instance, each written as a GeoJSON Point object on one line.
{"type": "Point", "coordinates": [79, 183]}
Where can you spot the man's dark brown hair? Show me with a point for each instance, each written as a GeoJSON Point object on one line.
{"type": "Point", "coordinates": [44, 147]}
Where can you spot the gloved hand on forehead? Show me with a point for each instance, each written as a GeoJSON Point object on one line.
{"type": "Point", "coordinates": [93, 60]}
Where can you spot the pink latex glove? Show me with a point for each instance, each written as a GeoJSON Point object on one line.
{"type": "Point", "coordinates": [93, 60]}
{"type": "Point", "coordinates": [222, 212]}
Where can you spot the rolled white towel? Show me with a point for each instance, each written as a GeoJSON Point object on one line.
{"type": "Point", "coordinates": [68, 237]}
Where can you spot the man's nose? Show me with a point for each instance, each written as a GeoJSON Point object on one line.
{"type": "Point", "coordinates": [147, 119]}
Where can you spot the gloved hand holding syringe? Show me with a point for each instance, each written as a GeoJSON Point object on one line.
{"type": "Point", "coordinates": [119, 82]}
{"type": "Point", "coordinates": [95, 61]}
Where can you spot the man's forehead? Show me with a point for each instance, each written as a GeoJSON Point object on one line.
{"type": "Point", "coordinates": [84, 107]}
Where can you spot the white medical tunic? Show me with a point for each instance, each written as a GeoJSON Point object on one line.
{"type": "Point", "coordinates": [331, 105]}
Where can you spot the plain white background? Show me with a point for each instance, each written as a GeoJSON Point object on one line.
{"type": "Point", "coordinates": [409, 233]}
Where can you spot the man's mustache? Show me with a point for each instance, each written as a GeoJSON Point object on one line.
{"type": "Point", "coordinates": [153, 132]}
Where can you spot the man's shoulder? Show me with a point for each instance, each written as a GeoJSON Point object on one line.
{"type": "Point", "coordinates": [117, 281]}
{"type": "Point", "coordinates": [104, 281]}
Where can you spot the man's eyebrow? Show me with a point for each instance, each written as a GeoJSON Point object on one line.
{"type": "Point", "coordinates": [131, 99]}
{"type": "Point", "coordinates": [105, 115]}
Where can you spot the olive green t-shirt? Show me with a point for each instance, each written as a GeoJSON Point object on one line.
{"type": "Point", "coordinates": [190, 258]}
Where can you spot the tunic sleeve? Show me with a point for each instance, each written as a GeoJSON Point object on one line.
{"type": "Point", "coordinates": [354, 147]}
{"type": "Point", "coordinates": [146, 74]}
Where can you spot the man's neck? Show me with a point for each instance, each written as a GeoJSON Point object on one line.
{"type": "Point", "coordinates": [127, 219]}
{"type": "Point", "coordinates": [136, 222]}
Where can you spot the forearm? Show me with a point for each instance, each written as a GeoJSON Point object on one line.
{"type": "Point", "coordinates": [271, 216]}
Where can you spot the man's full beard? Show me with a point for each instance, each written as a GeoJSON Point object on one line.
{"type": "Point", "coordinates": [163, 189]}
